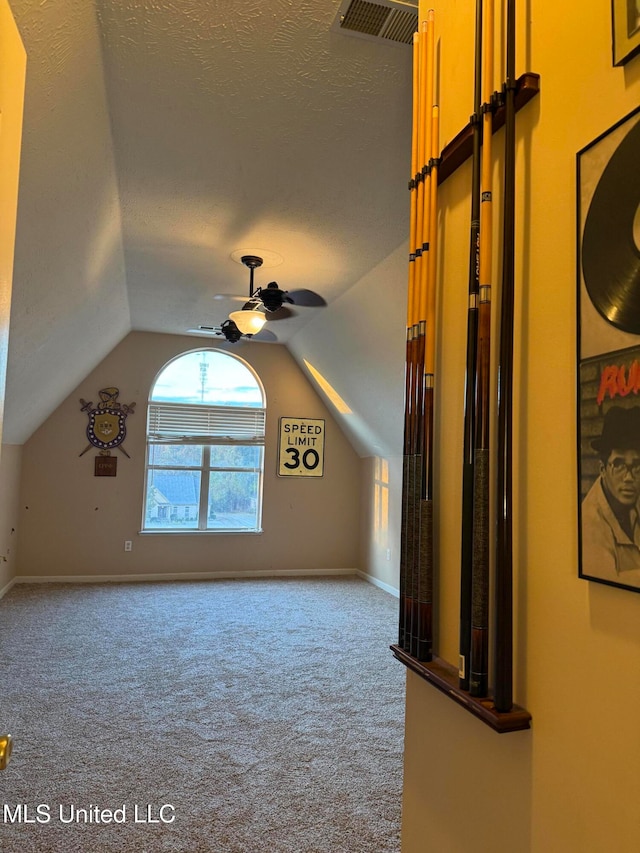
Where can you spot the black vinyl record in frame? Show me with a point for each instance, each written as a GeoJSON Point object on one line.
{"type": "Point", "coordinates": [608, 263]}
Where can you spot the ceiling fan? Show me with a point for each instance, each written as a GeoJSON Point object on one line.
{"type": "Point", "coordinates": [271, 298]}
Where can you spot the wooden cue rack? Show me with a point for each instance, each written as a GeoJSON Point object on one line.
{"type": "Point", "coordinates": [439, 673]}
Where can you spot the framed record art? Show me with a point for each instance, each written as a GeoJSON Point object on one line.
{"type": "Point", "coordinates": [626, 30]}
{"type": "Point", "coordinates": [608, 263]}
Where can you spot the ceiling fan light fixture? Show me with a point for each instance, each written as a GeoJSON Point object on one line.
{"type": "Point", "coordinates": [248, 320]}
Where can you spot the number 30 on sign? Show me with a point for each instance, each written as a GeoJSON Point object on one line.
{"type": "Point", "coordinates": [301, 448]}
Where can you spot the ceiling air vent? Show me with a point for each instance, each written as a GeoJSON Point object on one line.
{"type": "Point", "coordinates": [203, 330]}
{"type": "Point", "coordinates": [384, 19]}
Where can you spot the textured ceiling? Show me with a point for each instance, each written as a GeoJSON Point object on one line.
{"type": "Point", "coordinates": [249, 124]}
{"type": "Point", "coordinates": [161, 137]}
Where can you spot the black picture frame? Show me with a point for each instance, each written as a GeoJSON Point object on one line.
{"type": "Point", "coordinates": [626, 30]}
{"type": "Point", "coordinates": [608, 355]}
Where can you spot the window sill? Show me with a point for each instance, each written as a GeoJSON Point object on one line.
{"type": "Point", "coordinates": [200, 532]}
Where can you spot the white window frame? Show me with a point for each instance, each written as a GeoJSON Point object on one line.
{"type": "Point", "coordinates": [208, 426]}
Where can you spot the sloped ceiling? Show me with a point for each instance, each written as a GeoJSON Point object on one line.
{"type": "Point", "coordinates": [163, 138]}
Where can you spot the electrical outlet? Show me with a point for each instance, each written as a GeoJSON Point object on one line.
{"type": "Point", "coordinates": [128, 545]}
{"type": "Point", "coordinates": [388, 553]}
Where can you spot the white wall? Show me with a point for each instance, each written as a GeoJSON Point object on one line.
{"type": "Point", "coordinates": [10, 471]}
{"type": "Point", "coordinates": [358, 345]}
{"type": "Point", "coordinates": [75, 524]}
{"type": "Point", "coordinates": [69, 232]}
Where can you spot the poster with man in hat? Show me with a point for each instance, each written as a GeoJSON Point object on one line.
{"type": "Point", "coordinates": [610, 522]}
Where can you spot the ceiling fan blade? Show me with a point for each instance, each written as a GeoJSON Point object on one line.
{"type": "Point", "coordinates": [236, 297]}
{"type": "Point", "coordinates": [307, 298]}
{"type": "Point", "coordinates": [281, 314]}
{"type": "Point", "coordinates": [264, 336]}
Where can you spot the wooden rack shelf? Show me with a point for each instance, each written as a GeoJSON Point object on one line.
{"type": "Point", "coordinates": [445, 677]}
{"type": "Point", "coordinates": [460, 148]}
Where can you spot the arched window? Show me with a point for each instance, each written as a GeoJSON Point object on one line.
{"type": "Point", "coordinates": [205, 445]}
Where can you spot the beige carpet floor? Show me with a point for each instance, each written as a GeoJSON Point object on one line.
{"type": "Point", "coordinates": [225, 716]}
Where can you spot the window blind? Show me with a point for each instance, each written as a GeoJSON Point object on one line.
{"type": "Point", "coordinates": [178, 423]}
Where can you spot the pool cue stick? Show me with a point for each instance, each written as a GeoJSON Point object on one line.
{"type": "Point", "coordinates": [405, 618]}
{"type": "Point", "coordinates": [425, 647]}
{"type": "Point", "coordinates": [424, 504]}
{"type": "Point", "coordinates": [413, 467]}
{"type": "Point", "coordinates": [479, 675]}
{"type": "Point", "coordinates": [503, 688]}
{"type": "Point", "coordinates": [470, 373]}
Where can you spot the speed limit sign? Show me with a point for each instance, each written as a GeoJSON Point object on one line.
{"type": "Point", "coordinates": [301, 447]}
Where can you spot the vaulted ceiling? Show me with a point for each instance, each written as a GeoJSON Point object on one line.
{"type": "Point", "coordinates": [165, 138]}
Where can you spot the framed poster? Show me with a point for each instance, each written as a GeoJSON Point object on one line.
{"type": "Point", "coordinates": [301, 447]}
{"type": "Point", "coordinates": [626, 30]}
{"type": "Point", "coordinates": [608, 263]}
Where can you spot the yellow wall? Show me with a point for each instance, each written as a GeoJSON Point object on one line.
{"type": "Point", "coordinates": [75, 524]}
{"type": "Point", "coordinates": [12, 77]}
{"type": "Point", "coordinates": [572, 782]}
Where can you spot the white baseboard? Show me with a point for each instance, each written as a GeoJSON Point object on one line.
{"type": "Point", "coordinates": [182, 576]}
{"type": "Point", "coordinates": [6, 588]}
{"type": "Point", "coordinates": [199, 576]}
{"type": "Point", "coordinates": [380, 584]}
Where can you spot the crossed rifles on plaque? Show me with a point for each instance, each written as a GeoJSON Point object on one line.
{"type": "Point", "coordinates": [107, 422]}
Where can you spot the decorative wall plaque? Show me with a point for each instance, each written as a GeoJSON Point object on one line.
{"type": "Point", "coordinates": [106, 465]}
{"type": "Point", "coordinates": [107, 421]}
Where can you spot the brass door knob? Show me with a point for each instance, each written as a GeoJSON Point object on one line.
{"type": "Point", "coordinates": [6, 745]}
